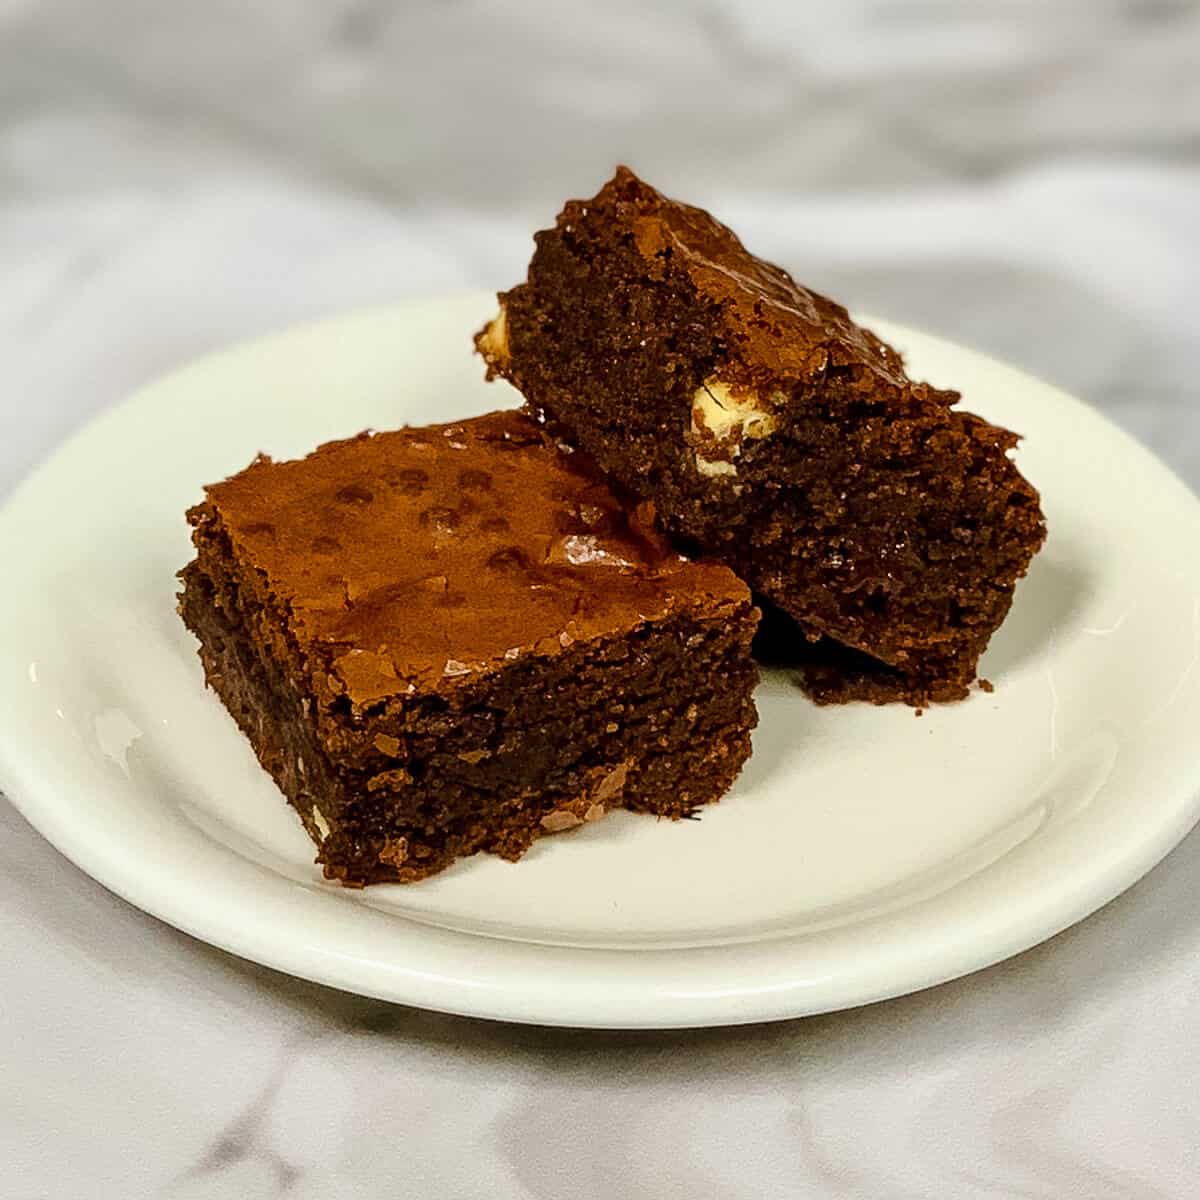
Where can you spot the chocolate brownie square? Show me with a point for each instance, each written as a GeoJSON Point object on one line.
{"type": "Point", "coordinates": [453, 639]}
{"type": "Point", "coordinates": [775, 435]}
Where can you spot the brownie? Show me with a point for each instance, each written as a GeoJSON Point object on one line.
{"type": "Point", "coordinates": [453, 639]}
{"type": "Point", "coordinates": [775, 435]}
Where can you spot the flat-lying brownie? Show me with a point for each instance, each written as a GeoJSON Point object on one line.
{"type": "Point", "coordinates": [775, 435]}
{"type": "Point", "coordinates": [454, 639]}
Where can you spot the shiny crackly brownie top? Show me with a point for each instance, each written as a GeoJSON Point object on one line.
{"type": "Point", "coordinates": [774, 324]}
{"type": "Point", "coordinates": [423, 557]}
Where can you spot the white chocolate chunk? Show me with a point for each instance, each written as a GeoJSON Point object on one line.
{"type": "Point", "coordinates": [714, 466]}
{"type": "Point", "coordinates": [494, 339]}
{"type": "Point", "coordinates": [319, 821]}
{"type": "Point", "coordinates": [731, 418]}
{"type": "Point", "coordinates": [725, 414]}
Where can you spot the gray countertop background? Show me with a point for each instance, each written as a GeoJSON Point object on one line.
{"type": "Point", "coordinates": [1023, 177]}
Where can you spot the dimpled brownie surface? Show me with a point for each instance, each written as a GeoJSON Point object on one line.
{"type": "Point", "coordinates": [453, 639]}
{"type": "Point", "coordinates": [885, 527]}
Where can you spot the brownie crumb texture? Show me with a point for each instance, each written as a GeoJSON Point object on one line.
{"type": "Point", "coordinates": [774, 435]}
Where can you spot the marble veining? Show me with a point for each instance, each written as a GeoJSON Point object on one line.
{"type": "Point", "coordinates": [1021, 177]}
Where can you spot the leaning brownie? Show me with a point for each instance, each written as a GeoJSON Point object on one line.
{"type": "Point", "coordinates": [775, 435]}
{"type": "Point", "coordinates": [454, 639]}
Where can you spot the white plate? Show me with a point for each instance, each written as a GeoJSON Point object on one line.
{"type": "Point", "coordinates": [864, 853]}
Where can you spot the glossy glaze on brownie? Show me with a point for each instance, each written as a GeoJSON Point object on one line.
{"type": "Point", "coordinates": [456, 638]}
{"type": "Point", "coordinates": [773, 434]}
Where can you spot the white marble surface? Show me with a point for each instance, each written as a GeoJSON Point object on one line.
{"type": "Point", "coordinates": [1021, 176]}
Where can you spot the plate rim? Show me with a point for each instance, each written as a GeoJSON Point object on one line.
{"type": "Point", "coordinates": [1064, 902]}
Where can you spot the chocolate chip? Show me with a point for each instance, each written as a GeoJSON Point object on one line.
{"type": "Point", "coordinates": [511, 558]}
{"type": "Point", "coordinates": [440, 519]}
{"type": "Point", "coordinates": [473, 479]}
{"type": "Point", "coordinates": [355, 493]}
{"type": "Point", "coordinates": [412, 481]}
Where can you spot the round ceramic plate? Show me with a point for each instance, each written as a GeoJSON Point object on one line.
{"type": "Point", "coordinates": [863, 853]}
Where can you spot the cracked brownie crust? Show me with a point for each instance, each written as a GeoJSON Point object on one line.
{"type": "Point", "coordinates": [455, 639]}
